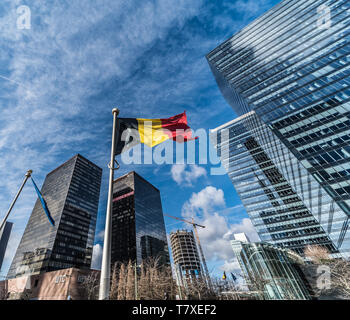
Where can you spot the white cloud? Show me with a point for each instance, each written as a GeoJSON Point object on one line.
{"type": "Point", "coordinates": [216, 240]}
{"type": "Point", "coordinates": [231, 266]}
{"type": "Point", "coordinates": [54, 104]}
{"type": "Point", "coordinates": [79, 59]}
{"type": "Point", "coordinates": [218, 233]}
{"type": "Point", "coordinates": [96, 257]}
{"type": "Point", "coordinates": [215, 246]}
{"type": "Point", "coordinates": [185, 175]}
{"type": "Point", "coordinates": [248, 8]}
{"type": "Point", "coordinates": [100, 236]}
{"type": "Point", "coordinates": [203, 202]}
{"type": "Point", "coordinates": [209, 208]}
{"type": "Point", "coordinates": [245, 226]}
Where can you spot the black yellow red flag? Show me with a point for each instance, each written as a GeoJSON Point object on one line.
{"type": "Point", "coordinates": [132, 131]}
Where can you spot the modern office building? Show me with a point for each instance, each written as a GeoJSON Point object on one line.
{"type": "Point", "coordinates": [71, 192]}
{"type": "Point", "coordinates": [185, 256]}
{"type": "Point", "coordinates": [4, 238]}
{"type": "Point", "coordinates": [291, 66]}
{"type": "Point", "coordinates": [279, 214]}
{"type": "Point", "coordinates": [138, 229]}
{"type": "Point", "coordinates": [271, 271]}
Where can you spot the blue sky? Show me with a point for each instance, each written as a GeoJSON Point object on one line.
{"type": "Point", "coordinates": [60, 79]}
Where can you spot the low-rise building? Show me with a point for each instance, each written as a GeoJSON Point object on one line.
{"type": "Point", "coordinates": [272, 271]}
{"type": "Point", "coordinates": [64, 284]}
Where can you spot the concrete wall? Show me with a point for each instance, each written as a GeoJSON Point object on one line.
{"type": "Point", "coordinates": [57, 285]}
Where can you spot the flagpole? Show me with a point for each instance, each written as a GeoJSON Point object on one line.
{"type": "Point", "coordinates": [27, 176]}
{"type": "Point", "coordinates": [106, 255]}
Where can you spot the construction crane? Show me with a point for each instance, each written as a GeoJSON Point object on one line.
{"type": "Point", "coordinates": [195, 225]}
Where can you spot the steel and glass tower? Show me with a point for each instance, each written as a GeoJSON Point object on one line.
{"type": "Point", "coordinates": [269, 193]}
{"type": "Point", "coordinates": [292, 67]}
{"type": "Point", "coordinates": [138, 229]}
{"type": "Point", "coordinates": [71, 192]}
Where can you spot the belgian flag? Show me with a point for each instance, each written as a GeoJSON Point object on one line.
{"type": "Point", "coordinates": [151, 132]}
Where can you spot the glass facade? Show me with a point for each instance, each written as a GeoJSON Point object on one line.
{"type": "Point", "coordinates": [71, 192]}
{"type": "Point", "coordinates": [292, 66]}
{"type": "Point", "coordinates": [4, 238]}
{"type": "Point", "coordinates": [272, 271]}
{"type": "Point", "coordinates": [270, 197]}
{"type": "Point", "coordinates": [138, 229]}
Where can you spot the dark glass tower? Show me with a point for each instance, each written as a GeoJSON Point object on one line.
{"type": "Point", "coordinates": [4, 238]}
{"type": "Point", "coordinates": [71, 192]}
{"type": "Point", "coordinates": [292, 67]}
{"type": "Point", "coordinates": [138, 230]}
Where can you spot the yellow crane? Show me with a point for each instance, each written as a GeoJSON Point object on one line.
{"type": "Point", "coordinates": [195, 225]}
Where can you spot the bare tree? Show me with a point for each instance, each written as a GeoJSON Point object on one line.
{"type": "Point", "coordinates": [130, 282]}
{"type": "Point", "coordinates": [317, 254]}
{"type": "Point", "coordinates": [155, 281]}
{"type": "Point", "coordinates": [90, 286]}
{"type": "Point", "coordinates": [144, 282]}
{"type": "Point", "coordinates": [114, 282]}
{"type": "Point", "coordinates": [3, 294]}
{"type": "Point", "coordinates": [257, 283]}
{"type": "Point", "coordinates": [121, 295]}
{"type": "Point", "coordinates": [339, 270]}
{"type": "Point", "coordinates": [340, 275]}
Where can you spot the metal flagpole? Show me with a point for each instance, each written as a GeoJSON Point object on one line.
{"type": "Point", "coordinates": [106, 255]}
{"type": "Point", "coordinates": [27, 176]}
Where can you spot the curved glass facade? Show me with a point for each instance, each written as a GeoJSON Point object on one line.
{"type": "Point", "coordinates": [272, 271]}
{"type": "Point", "coordinates": [292, 67]}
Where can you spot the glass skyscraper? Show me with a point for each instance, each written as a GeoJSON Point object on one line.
{"type": "Point", "coordinates": [138, 229]}
{"type": "Point", "coordinates": [71, 192]}
{"type": "Point", "coordinates": [291, 67]}
{"type": "Point", "coordinates": [4, 238]}
{"type": "Point", "coordinates": [246, 147]}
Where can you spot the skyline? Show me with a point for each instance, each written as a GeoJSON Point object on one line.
{"type": "Point", "coordinates": [97, 67]}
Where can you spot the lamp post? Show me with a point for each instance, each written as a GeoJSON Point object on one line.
{"type": "Point", "coordinates": [106, 255]}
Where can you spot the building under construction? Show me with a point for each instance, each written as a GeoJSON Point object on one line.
{"type": "Point", "coordinates": [185, 255]}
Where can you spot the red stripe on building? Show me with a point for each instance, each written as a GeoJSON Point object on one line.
{"type": "Point", "coordinates": [123, 196]}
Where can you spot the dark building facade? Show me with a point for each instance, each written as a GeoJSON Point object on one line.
{"type": "Point", "coordinates": [4, 238]}
{"type": "Point", "coordinates": [71, 192]}
{"type": "Point", "coordinates": [292, 67]}
{"type": "Point", "coordinates": [138, 229]}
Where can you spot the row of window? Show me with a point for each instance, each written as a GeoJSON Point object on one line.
{"type": "Point", "coordinates": [322, 133]}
